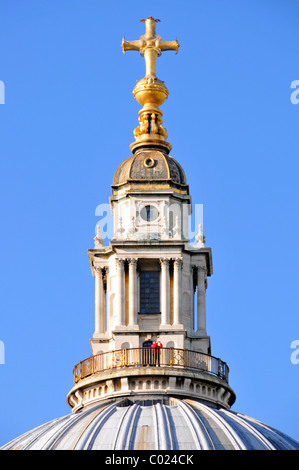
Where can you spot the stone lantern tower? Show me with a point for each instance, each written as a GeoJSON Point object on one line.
{"type": "Point", "coordinates": [150, 282]}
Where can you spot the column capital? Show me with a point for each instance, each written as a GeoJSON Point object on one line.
{"type": "Point", "coordinates": [164, 261]}
{"type": "Point", "coordinates": [132, 261]}
{"type": "Point", "coordinates": [202, 270]}
{"type": "Point", "coordinates": [119, 262]}
{"type": "Point", "coordinates": [98, 270]}
{"type": "Point", "coordinates": [178, 262]}
{"type": "Point", "coordinates": [199, 269]}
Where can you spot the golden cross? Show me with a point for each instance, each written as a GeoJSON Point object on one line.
{"type": "Point", "coordinates": [150, 46]}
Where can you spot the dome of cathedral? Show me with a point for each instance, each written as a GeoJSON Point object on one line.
{"type": "Point", "coordinates": [150, 168]}
{"type": "Point", "coordinates": [179, 425]}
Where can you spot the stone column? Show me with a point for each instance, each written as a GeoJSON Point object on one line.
{"type": "Point", "coordinates": [107, 299]}
{"type": "Point", "coordinates": [177, 289]}
{"type": "Point", "coordinates": [132, 291]}
{"type": "Point", "coordinates": [99, 301]}
{"type": "Point", "coordinates": [201, 300]}
{"type": "Point", "coordinates": [120, 294]}
{"type": "Point", "coordinates": [164, 291]}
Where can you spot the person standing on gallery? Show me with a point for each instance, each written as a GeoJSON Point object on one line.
{"type": "Point", "coordinates": [156, 349]}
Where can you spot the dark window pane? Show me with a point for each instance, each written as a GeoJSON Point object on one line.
{"type": "Point", "coordinates": [149, 292]}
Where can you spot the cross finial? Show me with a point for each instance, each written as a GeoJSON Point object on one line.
{"type": "Point", "coordinates": [150, 92]}
{"type": "Point", "coordinates": [150, 46]}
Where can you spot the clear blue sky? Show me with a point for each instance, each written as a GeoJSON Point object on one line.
{"type": "Point", "coordinates": [66, 125]}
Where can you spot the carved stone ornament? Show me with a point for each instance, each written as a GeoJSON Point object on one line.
{"type": "Point", "coordinates": [98, 240]}
{"type": "Point", "coordinates": [200, 238]}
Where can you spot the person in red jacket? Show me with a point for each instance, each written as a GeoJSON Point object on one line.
{"type": "Point", "coordinates": [153, 354]}
{"type": "Point", "coordinates": [156, 347]}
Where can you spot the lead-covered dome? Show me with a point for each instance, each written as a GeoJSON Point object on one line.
{"type": "Point", "coordinates": [149, 169]}
{"type": "Point", "coordinates": [178, 425]}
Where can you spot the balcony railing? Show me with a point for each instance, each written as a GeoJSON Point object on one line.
{"type": "Point", "coordinates": [145, 357]}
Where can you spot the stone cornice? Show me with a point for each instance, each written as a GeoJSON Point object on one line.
{"type": "Point", "coordinates": [157, 381]}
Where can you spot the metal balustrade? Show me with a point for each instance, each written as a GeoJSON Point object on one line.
{"type": "Point", "coordinates": [145, 357]}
